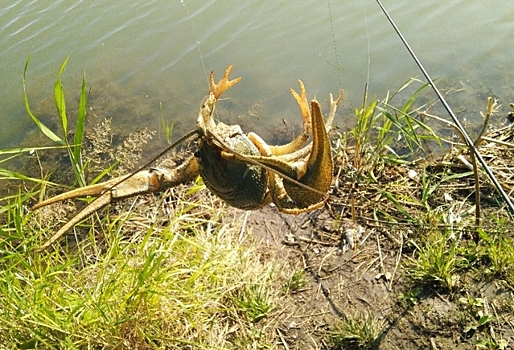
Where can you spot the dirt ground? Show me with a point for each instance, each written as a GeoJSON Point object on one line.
{"type": "Point", "coordinates": [368, 278]}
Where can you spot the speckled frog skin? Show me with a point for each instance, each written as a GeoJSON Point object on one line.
{"type": "Point", "coordinates": [238, 183]}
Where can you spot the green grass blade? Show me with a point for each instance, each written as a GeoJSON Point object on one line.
{"type": "Point", "coordinates": [60, 101]}
{"type": "Point", "coordinates": [104, 173]}
{"type": "Point", "coordinates": [396, 203]}
{"type": "Point", "coordinates": [81, 119]}
{"type": "Point", "coordinates": [12, 175]}
{"type": "Point", "coordinates": [42, 127]}
{"type": "Point", "coordinates": [21, 150]}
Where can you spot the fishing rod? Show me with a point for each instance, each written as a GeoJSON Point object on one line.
{"type": "Point", "coordinates": [456, 121]}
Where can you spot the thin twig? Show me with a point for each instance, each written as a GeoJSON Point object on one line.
{"type": "Point", "coordinates": [380, 256]}
{"type": "Point", "coordinates": [398, 259]}
{"type": "Point", "coordinates": [282, 339]}
{"type": "Point", "coordinates": [477, 189]}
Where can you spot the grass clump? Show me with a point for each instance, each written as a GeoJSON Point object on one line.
{"type": "Point", "coordinates": [498, 252]}
{"type": "Point", "coordinates": [385, 133]}
{"type": "Point", "coordinates": [74, 147]}
{"type": "Point", "coordinates": [181, 285]}
{"type": "Point", "coordinates": [298, 281]}
{"type": "Point", "coordinates": [362, 330]}
{"type": "Point", "coordinates": [254, 301]}
{"type": "Point", "coordinates": [436, 261]}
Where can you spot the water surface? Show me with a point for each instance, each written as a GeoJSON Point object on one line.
{"type": "Point", "coordinates": [156, 55]}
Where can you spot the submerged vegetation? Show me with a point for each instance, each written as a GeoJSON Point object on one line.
{"type": "Point", "coordinates": [396, 257]}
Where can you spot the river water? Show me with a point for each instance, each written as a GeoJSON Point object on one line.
{"type": "Point", "coordinates": [153, 56]}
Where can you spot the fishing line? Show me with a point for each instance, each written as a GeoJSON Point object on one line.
{"type": "Point", "coordinates": [335, 46]}
{"type": "Point", "coordinates": [367, 40]}
{"type": "Point", "coordinates": [197, 40]}
{"type": "Point", "coordinates": [456, 121]}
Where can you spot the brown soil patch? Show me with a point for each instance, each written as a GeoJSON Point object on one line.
{"type": "Point", "coordinates": [368, 278]}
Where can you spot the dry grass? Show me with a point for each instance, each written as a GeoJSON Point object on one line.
{"type": "Point", "coordinates": [141, 280]}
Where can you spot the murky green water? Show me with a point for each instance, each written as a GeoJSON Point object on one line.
{"type": "Point", "coordinates": [157, 54]}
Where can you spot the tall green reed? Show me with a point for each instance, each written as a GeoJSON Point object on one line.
{"type": "Point", "coordinates": [74, 148]}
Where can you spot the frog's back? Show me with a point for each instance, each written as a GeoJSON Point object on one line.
{"type": "Point", "coordinates": [239, 184]}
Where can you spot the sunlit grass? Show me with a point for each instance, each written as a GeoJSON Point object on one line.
{"type": "Point", "coordinates": [191, 283]}
{"type": "Point", "coordinates": [74, 148]}
{"type": "Point", "coordinates": [360, 331]}
{"type": "Point", "coordinates": [297, 281]}
{"type": "Point", "coordinates": [436, 261]}
{"type": "Point", "coordinates": [381, 128]}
